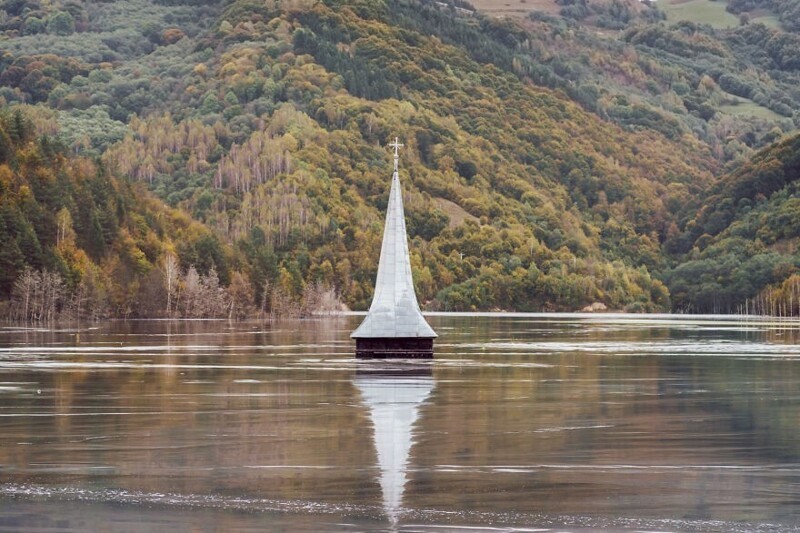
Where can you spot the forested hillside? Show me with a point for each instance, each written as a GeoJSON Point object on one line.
{"type": "Point", "coordinates": [76, 242]}
{"type": "Point", "coordinates": [545, 167]}
{"type": "Point", "coordinates": [743, 238]}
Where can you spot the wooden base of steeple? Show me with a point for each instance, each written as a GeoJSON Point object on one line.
{"type": "Point", "coordinates": [394, 348]}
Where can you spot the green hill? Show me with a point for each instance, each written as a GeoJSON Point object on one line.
{"type": "Point", "coordinates": [742, 242]}
{"type": "Point", "coordinates": [546, 167]}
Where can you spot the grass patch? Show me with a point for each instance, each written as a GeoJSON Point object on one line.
{"type": "Point", "coordinates": [456, 213]}
{"type": "Point", "coordinates": [515, 8]}
{"type": "Point", "coordinates": [768, 20]}
{"type": "Point", "coordinates": [744, 106]}
{"type": "Point", "coordinates": [700, 12]}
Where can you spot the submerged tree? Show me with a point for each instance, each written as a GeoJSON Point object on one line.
{"type": "Point", "coordinates": [37, 296]}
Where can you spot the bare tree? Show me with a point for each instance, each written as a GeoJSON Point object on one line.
{"type": "Point", "coordinates": [52, 294]}
{"type": "Point", "coordinates": [37, 295]}
{"type": "Point", "coordinates": [240, 294]}
{"type": "Point", "coordinates": [214, 299]}
{"type": "Point", "coordinates": [171, 275]}
{"type": "Point", "coordinates": [65, 233]}
{"type": "Point", "coordinates": [320, 298]}
{"type": "Point", "coordinates": [23, 293]}
{"type": "Point", "coordinates": [282, 304]}
{"type": "Point", "coordinates": [192, 290]}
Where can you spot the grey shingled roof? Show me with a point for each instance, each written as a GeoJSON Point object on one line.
{"type": "Point", "coordinates": [394, 312]}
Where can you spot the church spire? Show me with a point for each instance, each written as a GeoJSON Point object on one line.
{"type": "Point", "coordinates": [394, 326]}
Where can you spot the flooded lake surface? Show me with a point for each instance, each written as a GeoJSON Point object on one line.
{"type": "Point", "coordinates": [521, 422]}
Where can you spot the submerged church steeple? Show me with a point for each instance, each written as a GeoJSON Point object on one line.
{"type": "Point", "coordinates": [394, 325]}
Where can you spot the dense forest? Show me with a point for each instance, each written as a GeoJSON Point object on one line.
{"type": "Point", "coordinates": [75, 242]}
{"type": "Point", "coordinates": [183, 158]}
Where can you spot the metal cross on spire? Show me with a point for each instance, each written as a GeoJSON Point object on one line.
{"type": "Point", "coordinates": [396, 145]}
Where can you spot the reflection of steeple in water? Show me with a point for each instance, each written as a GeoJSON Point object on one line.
{"type": "Point", "coordinates": [394, 394]}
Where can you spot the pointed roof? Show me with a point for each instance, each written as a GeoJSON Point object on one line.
{"type": "Point", "coordinates": [394, 312]}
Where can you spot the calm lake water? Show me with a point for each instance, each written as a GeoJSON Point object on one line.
{"type": "Point", "coordinates": [521, 422]}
